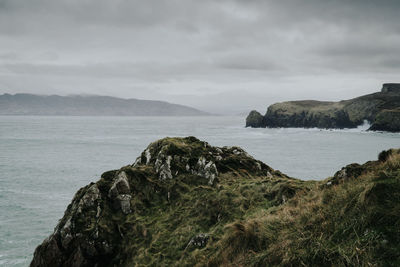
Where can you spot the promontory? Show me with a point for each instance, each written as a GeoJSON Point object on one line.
{"type": "Point", "coordinates": [381, 110]}
{"type": "Point", "coordinates": [187, 203]}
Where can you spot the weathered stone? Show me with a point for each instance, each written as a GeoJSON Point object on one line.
{"type": "Point", "coordinates": [163, 167]}
{"type": "Point", "coordinates": [137, 162]}
{"type": "Point", "coordinates": [206, 169]}
{"type": "Point", "coordinates": [119, 193]}
{"type": "Point", "coordinates": [66, 235]}
{"type": "Point", "coordinates": [89, 198]}
{"type": "Point", "coordinates": [120, 186]}
{"type": "Point", "coordinates": [124, 202]}
{"type": "Point", "coordinates": [47, 254]}
{"type": "Point", "coordinates": [148, 156]}
{"type": "Point", "coordinates": [199, 240]}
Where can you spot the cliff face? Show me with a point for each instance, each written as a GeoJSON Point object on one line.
{"type": "Point", "coordinates": [387, 120]}
{"type": "Point", "coordinates": [185, 203]}
{"type": "Point", "coordinates": [308, 114]}
{"type": "Point", "coordinates": [391, 88]}
{"type": "Point", "coordinates": [343, 114]}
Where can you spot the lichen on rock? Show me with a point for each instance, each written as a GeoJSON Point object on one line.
{"type": "Point", "coordinates": [206, 169]}
{"type": "Point", "coordinates": [119, 193]}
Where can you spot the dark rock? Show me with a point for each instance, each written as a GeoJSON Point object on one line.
{"type": "Point", "coordinates": [47, 254]}
{"type": "Point", "coordinates": [391, 88]}
{"type": "Point", "coordinates": [255, 120]}
{"type": "Point", "coordinates": [384, 155]}
{"type": "Point", "coordinates": [387, 120]}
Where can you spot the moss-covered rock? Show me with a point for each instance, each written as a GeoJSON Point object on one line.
{"type": "Point", "coordinates": [177, 197]}
{"type": "Point", "coordinates": [186, 203]}
{"type": "Point", "coordinates": [378, 108]}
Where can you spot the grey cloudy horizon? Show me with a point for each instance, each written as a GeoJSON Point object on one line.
{"type": "Point", "coordinates": [220, 56]}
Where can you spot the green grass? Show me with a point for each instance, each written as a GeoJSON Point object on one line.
{"type": "Point", "coordinates": [354, 223]}
{"type": "Point", "coordinates": [254, 215]}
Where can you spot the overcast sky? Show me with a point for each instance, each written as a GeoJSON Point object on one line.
{"type": "Point", "coordinates": [219, 56]}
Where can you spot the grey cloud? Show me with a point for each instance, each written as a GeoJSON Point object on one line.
{"type": "Point", "coordinates": [249, 62]}
{"type": "Point", "coordinates": [191, 48]}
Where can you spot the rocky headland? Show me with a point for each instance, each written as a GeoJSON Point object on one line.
{"type": "Point", "coordinates": [186, 203]}
{"type": "Point", "coordinates": [381, 110]}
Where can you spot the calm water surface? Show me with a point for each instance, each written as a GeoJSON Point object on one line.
{"type": "Point", "coordinates": [45, 160]}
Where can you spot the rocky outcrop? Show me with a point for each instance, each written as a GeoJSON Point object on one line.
{"type": "Point", "coordinates": [176, 187]}
{"type": "Point", "coordinates": [255, 119]}
{"type": "Point", "coordinates": [375, 108]}
{"type": "Point", "coordinates": [185, 203]}
{"type": "Point", "coordinates": [387, 120]}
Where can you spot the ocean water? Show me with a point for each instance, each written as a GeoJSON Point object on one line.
{"type": "Point", "coordinates": [45, 160]}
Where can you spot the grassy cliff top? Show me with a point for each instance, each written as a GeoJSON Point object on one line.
{"type": "Point", "coordinates": [186, 203]}
{"type": "Point", "coordinates": [311, 106]}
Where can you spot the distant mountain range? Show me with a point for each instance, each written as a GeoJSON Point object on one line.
{"type": "Point", "coordinates": [29, 104]}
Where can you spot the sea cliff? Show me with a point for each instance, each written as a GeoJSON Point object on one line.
{"type": "Point", "coordinates": [186, 203]}
{"type": "Point", "coordinates": [379, 109]}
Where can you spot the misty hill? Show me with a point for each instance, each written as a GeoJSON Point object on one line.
{"type": "Point", "coordinates": [28, 104]}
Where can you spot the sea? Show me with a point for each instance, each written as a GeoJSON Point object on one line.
{"type": "Point", "coordinates": [45, 160]}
